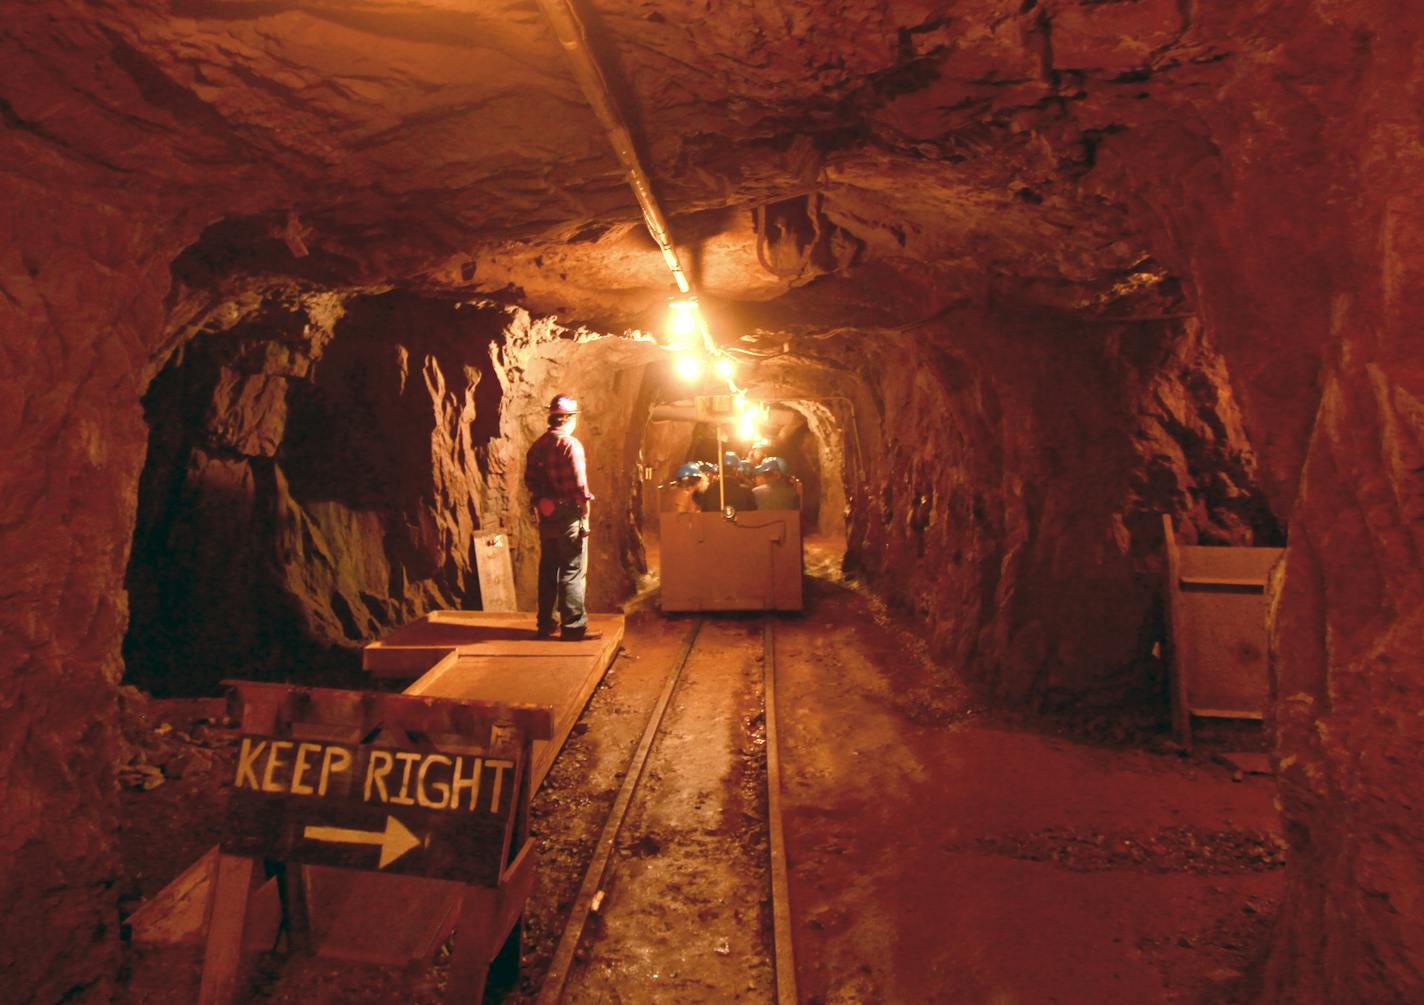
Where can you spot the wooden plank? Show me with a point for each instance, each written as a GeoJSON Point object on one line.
{"type": "Point", "coordinates": [1176, 637]}
{"type": "Point", "coordinates": [178, 914]}
{"type": "Point", "coordinates": [1228, 713]}
{"type": "Point", "coordinates": [479, 617]}
{"type": "Point", "coordinates": [470, 962]}
{"type": "Point", "coordinates": [1228, 562]}
{"type": "Point", "coordinates": [274, 704]}
{"type": "Point", "coordinates": [486, 919]}
{"type": "Point", "coordinates": [227, 921]}
{"type": "Point", "coordinates": [1222, 584]}
{"type": "Point", "coordinates": [563, 682]}
{"type": "Point", "coordinates": [1225, 663]}
{"type": "Point", "coordinates": [381, 660]}
{"type": "Point", "coordinates": [1250, 763]}
{"type": "Point", "coordinates": [483, 633]}
{"type": "Point", "coordinates": [496, 572]}
{"type": "Point", "coordinates": [416, 915]}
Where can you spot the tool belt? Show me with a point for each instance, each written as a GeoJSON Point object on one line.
{"type": "Point", "coordinates": [557, 510]}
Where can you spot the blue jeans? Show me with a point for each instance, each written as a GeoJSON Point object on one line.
{"type": "Point", "coordinates": [563, 553]}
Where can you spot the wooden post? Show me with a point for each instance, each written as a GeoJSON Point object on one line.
{"type": "Point", "coordinates": [227, 921]}
{"type": "Point", "coordinates": [487, 916]}
{"type": "Point", "coordinates": [1176, 638]}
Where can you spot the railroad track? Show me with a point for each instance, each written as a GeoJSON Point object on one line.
{"type": "Point", "coordinates": [598, 875]}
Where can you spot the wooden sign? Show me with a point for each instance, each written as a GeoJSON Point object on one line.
{"type": "Point", "coordinates": [391, 783]}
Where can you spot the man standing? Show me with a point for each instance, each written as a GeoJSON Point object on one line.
{"type": "Point", "coordinates": [555, 475]}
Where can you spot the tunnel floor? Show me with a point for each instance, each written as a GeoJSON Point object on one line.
{"type": "Point", "coordinates": [939, 850]}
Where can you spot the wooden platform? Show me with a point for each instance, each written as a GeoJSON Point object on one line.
{"type": "Point", "coordinates": [495, 656]}
{"type": "Point", "coordinates": [484, 655]}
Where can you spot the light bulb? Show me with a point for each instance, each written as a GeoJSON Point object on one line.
{"type": "Point", "coordinates": [682, 321]}
{"type": "Point", "coordinates": [688, 366]}
{"type": "Point", "coordinates": [725, 368]}
{"type": "Point", "coordinates": [747, 427]}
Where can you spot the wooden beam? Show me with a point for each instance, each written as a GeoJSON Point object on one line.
{"type": "Point", "coordinates": [1176, 637]}
{"type": "Point", "coordinates": [227, 922]}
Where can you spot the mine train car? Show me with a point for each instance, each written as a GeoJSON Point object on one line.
{"type": "Point", "coordinates": [750, 561]}
{"type": "Point", "coordinates": [728, 559]}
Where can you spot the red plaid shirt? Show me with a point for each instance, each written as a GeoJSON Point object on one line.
{"type": "Point", "coordinates": [554, 469]}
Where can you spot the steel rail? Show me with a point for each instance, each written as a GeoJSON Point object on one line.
{"type": "Point", "coordinates": [571, 35]}
{"type": "Point", "coordinates": [784, 960]}
{"type": "Point", "coordinates": [591, 889]}
{"type": "Point", "coordinates": [557, 976]}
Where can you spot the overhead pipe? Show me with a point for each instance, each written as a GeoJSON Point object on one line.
{"type": "Point", "coordinates": [571, 35]}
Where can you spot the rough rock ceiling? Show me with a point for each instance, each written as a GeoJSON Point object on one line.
{"type": "Point", "coordinates": [446, 145]}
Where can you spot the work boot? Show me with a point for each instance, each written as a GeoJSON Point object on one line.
{"type": "Point", "coordinates": [546, 631]}
{"type": "Point", "coordinates": [579, 635]}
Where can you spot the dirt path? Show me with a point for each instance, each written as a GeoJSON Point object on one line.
{"type": "Point", "coordinates": [940, 855]}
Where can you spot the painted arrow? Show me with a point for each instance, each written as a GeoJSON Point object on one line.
{"type": "Point", "coordinates": [394, 841]}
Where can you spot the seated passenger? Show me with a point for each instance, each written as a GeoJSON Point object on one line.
{"type": "Point", "coordinates": [773, 491]}
{"type": "Point", "coordinates": [711, 497]}
{"type": "Point", "coordinates": [738, 493]}
{"type": "Point", "coordinates": [688, 490]}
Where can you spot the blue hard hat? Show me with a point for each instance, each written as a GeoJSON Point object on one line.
{"type": "Point", "coordinates": [708, 468]}
{"type": "Point", "coordinates": [689, 470]}
{"type": "Point", "coordinates": [771, 464]}
{"type": "Point", "coordinates": [731, 460]}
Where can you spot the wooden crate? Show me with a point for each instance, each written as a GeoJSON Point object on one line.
{"type": "Point", "coordinates": [1216, 607]}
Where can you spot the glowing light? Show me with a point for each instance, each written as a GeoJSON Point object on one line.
{"type": "Point", "coordinates": [747, 426]}
{"type": "Point", "coordinates": [688, 366]}
{"type": "Point", "coordinates": [725, 368]}
{"type": "Point", "coordinates": [683, 321]}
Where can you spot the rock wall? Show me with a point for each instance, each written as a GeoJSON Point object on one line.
{"type": "Point", "coordinates": [318, 472]}
{"type": "Point", "coordinates": [1013, 499]}
{"type": "Point", "coordinates": [1266, 151]}
{"type": "Point", "coordinates": [77, 316]}
{"type": "Point", "coordinates": [317, 465]}
{"type": "Point", "coordinates": [1291, 204]}
{"type": "Point", "coordinates": [826, 445]}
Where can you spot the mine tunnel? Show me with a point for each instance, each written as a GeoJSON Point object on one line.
{"type": "Point", "coordinates": [963, 391]}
